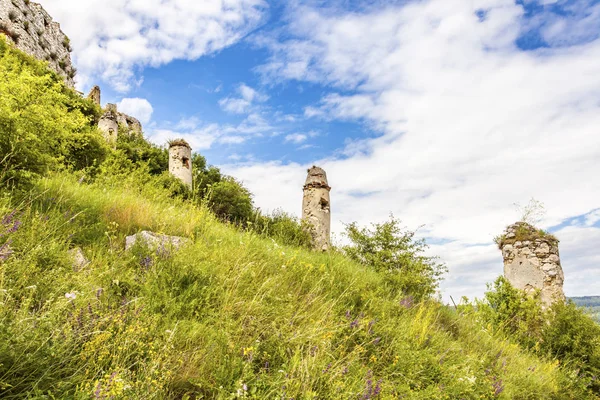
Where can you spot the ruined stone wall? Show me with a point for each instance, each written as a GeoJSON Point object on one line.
{"type": "Point", "coordinates": [316, 208]}
{"type": "Point", "coordinates": [109, 124]}
{"type": "Point", "coordinates": [531, 261]}
{"type": "Point", "coordinates": [180, 161]}
{"type": "Point", "coordinates": [33, 31]}
{"type": "Point", "coordinates": [112, 113]}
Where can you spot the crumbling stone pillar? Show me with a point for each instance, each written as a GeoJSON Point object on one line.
{"type": "Point", "coordinates": [316, 209]}
{"type": "Point", "coordinates": [95, 95]}
{"type": "Point", "coordinates": [180, 161]}
{"type": "Point", "coordinates": [531, 261]}
{"type": "Point", "coordinates": [108, 124]}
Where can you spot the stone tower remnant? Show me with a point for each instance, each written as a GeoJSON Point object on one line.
{"type": "Point", "coordinates": [531, 261]}
{"type": "Point", "coordinates": [316, 208]}
{"type": "Point", "coordinates": [180, 161]}
{"type": "Point", "coordinates": [95, 95]}
{"type": "Point", "coordinates": [108, 124]}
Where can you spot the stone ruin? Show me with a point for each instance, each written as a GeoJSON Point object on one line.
{"type": "Point", "coordinates": [111, 119]}
{"type": "Point", "coordinates": [316, 209]}
{"type": "Point", "coordinates": [180, 161]}
{"type": "Point", "coordinates": [532, 262]}
{"type": "Point", "coordinates": [109, 125]}
{"type": "Point", "coordinates": [33, 31]}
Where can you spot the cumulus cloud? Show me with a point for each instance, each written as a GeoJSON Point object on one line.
{"type": "Point", "coordinates": [244, 101]}
{"type": "Point", "coordinates": [137, 108]}
{"type": "Point", "coordinates": [296, 138]}
{"type": "Point", "coordinates": [113, 39]}
{"type": "Point", "coordinates": [467, 125]}
{"type": "Point", "coordinates": [202, 135]}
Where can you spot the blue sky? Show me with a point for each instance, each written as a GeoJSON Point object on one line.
{"type": "Point", "coordinates": [443, 112]}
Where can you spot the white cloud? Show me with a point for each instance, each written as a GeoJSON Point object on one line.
{"type": "Point", "coordinates": [296, 138]}
{"type": "Point", "coordinates": [201, 135]}
{"type": "Point", "coordinates": [247, 98]}
{"type": "Point", "coordinates": [112, 39]}
{"type": "Point", "coordinates": [137, 108]}
{"type": "Point", "coordinates": [468, 125]}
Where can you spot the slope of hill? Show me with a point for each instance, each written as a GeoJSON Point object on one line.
{"type": "Point", "coordinates": [232, 314]}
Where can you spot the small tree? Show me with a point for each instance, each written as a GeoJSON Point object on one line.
{"type": "Point", "coordinates": [389, 249]}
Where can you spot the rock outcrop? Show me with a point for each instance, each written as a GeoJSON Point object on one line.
{"type": "Point", "coordinates": [78, 259]}
{"type": "Point", "coordinates": [33, 31]}
{"type": "Point", "coordinates": [316, 208]}
{"type": "Point", "coordinates": [532, 261]}
{"type": "Point", "coordinates": [156, 241]}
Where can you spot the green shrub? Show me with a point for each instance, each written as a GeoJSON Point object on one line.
{"type": "Point", "coordinates": [231, 201]}
{"type": "Point", "coordinates": [395, 252]}
{"type": "Point", "coordinates": [563, 332]}
{"type": "Point", "coordinates": [36, 121]}
{"type": "Point", "coordinates": [514, 312]}
{"type": "Point", "coordinates": [282, 227]}
{"type": "Point", "coordinates": [572, 336]}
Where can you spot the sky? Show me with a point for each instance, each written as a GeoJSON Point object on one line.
{"type": "Point", "coordinates": [449, 114]}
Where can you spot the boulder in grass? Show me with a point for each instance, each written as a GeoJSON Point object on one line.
{"type": "Point", "coordinates": [78, 259]}
{"type": "Point", "coordinates": [156, 241]}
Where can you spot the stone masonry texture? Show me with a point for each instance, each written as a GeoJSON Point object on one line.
{"type": "Point", "coordinates": [33, 31]}
{"type": "Point", "coordinates": [180, 161]}
{"type": "Point", "coordinates": [316, 208]}
{"type": "Point", "coordinates": [532, 261]}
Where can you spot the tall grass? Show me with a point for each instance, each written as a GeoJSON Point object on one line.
{"type": "Point", "coordinates": [231, 315]}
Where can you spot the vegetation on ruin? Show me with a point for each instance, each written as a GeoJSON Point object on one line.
{"type": "Point", "coordinates": [245, 310]}
{"type": "Point", "coordinates": [524, 233]}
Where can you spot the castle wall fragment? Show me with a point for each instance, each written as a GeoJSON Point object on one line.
{"type": "Point", "coordinates": [532, 261]}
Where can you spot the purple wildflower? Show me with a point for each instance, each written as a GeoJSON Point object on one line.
{"type": "Point", "coordinates": [146, 262]}
{"type": "Point", "coordinates": [5, 251]}
{"type": "Point", "coordinates": [98, 391]}
{"type": "Point", "coordinates": [348, 315]}
{"type": "Point", "coordinates": [327, 368]}
{"type": "Point", "coordinates": [8, 219]}
{"type": "Point", "coordinates": [377, 389]}
{"type": "Point", "coordinates": [371, 323]}
{"type": "Point", "coordinates": [407, 302]}
{"type": "Point", "coordinates": [498, 387]}
{"type": "Point", "coordinates": [354, 324]}
{"type": "Point", "coordinates": [377, 340]}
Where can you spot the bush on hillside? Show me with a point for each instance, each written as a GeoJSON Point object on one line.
{"type": "Point", "coordinates": [389, 249]}
{"type": "Point", "coordinates": [564, 332]}
{"type": "Point", "coordinates": [513, 311]}
{"type": "Point", "coordinates": [42, 126]}
{"type": "Point", "coordinates": [138, 150]}
{"type": "Point", "coordinates": [224, 195]}
{"type": "Point", "coordinates": [282, 227]}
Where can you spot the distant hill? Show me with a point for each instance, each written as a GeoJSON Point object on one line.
{"type": "Point", "coordinates": [590, 302]}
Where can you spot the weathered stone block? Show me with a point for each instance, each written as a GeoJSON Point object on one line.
{"type": "Point", "coordinates": [155, 240]}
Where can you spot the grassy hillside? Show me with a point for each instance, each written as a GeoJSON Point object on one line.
{"type": "Point", "coordinates": [231, 315]}
{"type": "Point", "coordinates": [235, 313]}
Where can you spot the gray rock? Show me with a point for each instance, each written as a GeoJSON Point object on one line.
{"type": "Point", "coordinates": [78, 259]}
{"type": "Point", "coordinates": [155, 240]}
{"type": "Point", "coordinates": [38, 35]}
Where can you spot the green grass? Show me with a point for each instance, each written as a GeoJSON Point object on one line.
{"type": "Point", "coordinates": [233, 315]}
